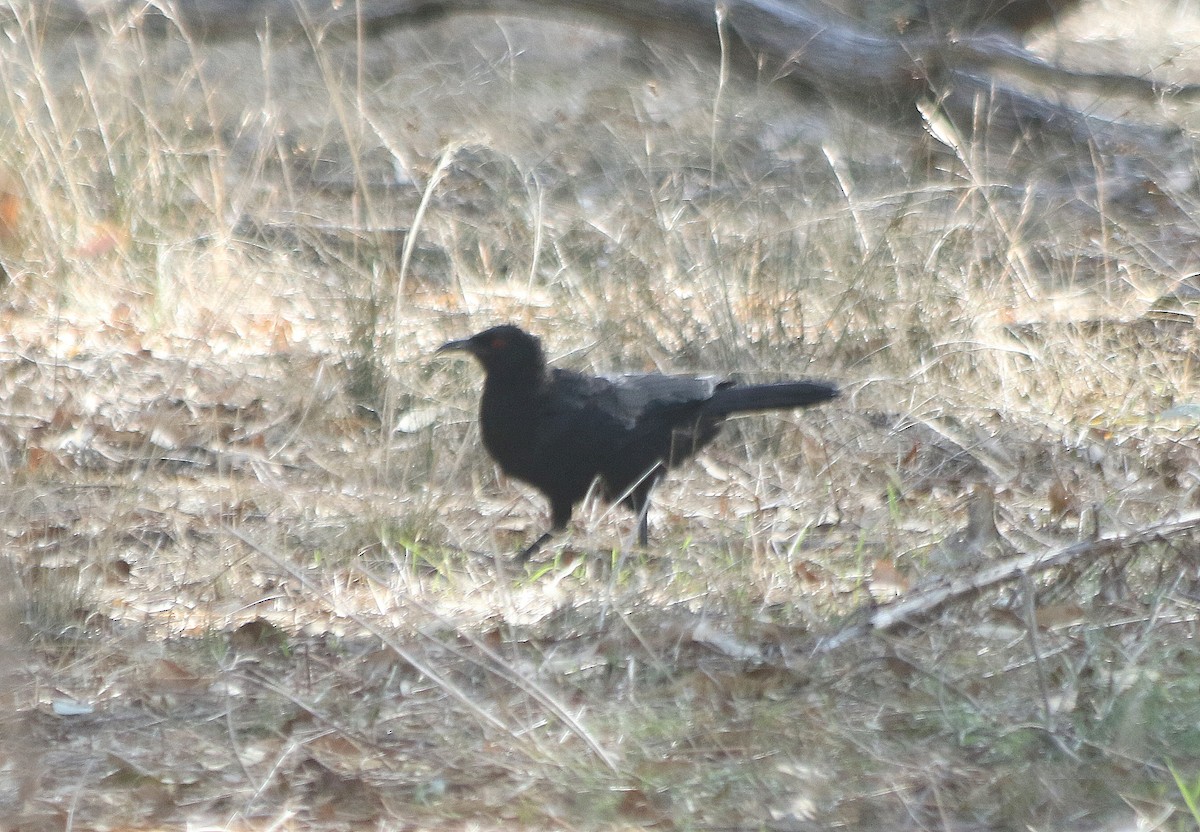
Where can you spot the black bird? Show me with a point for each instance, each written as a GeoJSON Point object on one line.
{"type": "Point", "coordinates": [559, 430]}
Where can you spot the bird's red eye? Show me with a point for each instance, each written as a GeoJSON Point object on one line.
{"type": "Point", "coordinates": [499, 343]}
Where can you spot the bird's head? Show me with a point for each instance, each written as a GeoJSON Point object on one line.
{"type": "Point", "coordinates": [504, 350]}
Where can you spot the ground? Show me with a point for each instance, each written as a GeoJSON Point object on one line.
{"type": "Point", "coordinates": [260, 570]}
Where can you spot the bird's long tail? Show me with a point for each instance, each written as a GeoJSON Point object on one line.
{"type": "Point", "coordinates": [786, 394]}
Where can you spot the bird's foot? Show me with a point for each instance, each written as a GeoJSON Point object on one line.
{"type": "Point", "coordinates": [533, 548]}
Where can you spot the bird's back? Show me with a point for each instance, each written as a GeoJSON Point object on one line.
{"type": "Point", "coordinates": [570, 428]}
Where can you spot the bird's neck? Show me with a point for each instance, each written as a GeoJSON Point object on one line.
{"type": "Point", "coordinates": [514, 383]}
{"type": "Point", "coordinates": [509, 413]}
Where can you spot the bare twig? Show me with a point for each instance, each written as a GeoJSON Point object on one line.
{"type": "Point", "coordinates": [933, 595]}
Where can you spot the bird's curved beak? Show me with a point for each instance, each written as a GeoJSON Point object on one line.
{"type": "Point", "coordinates": [462, 345]}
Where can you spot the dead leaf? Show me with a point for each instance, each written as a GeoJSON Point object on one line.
{"type": "Point", "coordinates": [12, 208]}
{"type": "Point", "coordinates": [1000, 624]}
{"type": "Point", "coordinates": [39, 458]}
{"type": "Point", "coordinates": [335, 750]}
{"type": "Point", "coordinates": [117, 571]}
{"type": "Point", "coordinates": [886, 580]}
{"type": "Point", "coordinates": [644, 808]}
{"type": "Point", "coordinates": [166, 676]}
{"type": "Point", "coordinates": [1059, 498]}
{"type": "Point", "coordinates": [808, 573]}
{"type": "Point", "coordinates": [338, 798]}
{"type": "Point", "coordinates": [1053, 616]}
{"type": "Point", "coordinates": [257, 633]}
{"type": "Point", "coordinates": [100, 239]}
{"type": "Point", "coordinates": [725, 642]}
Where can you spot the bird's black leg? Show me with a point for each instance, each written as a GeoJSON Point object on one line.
{"type": "Point", "coordinates": [530, 550]}
{"type": "Point", "coordinates": [639, 501]}
{"type": "Point", "coordinates": [560, 515]}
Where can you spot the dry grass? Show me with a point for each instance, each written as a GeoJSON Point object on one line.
{"type": "Point", "coordinates": [260, 565]}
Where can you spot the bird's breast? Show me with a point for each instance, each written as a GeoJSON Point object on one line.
{"type": "Point", "coordinates": [509, 421]}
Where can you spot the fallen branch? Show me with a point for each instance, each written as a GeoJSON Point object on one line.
{"type": "Point", "coordinates": [930, 597]}
{"type": "Point", "coordinates": [806, 47]}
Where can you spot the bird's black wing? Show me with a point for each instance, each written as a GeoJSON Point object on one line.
{"type": "Point", "coordinates": [575, 425]}
{"type": "Point", "coordinates": [618, 426]}
{"type": "Point", "coordinates": [555, 436]}
{"type": "Point", "coordinates": [664, 422]}
{"type": "Point", "coordinates": [654, 396]}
